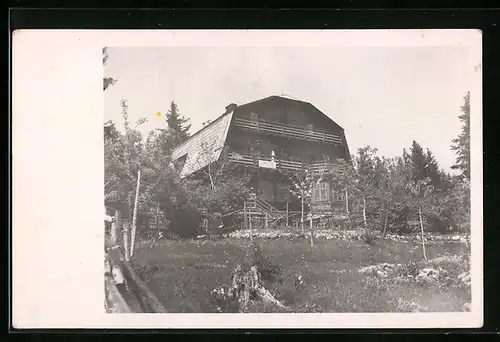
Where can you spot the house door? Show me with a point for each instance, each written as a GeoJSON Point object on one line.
{"type": "Point", "coordinates": [266, 190]}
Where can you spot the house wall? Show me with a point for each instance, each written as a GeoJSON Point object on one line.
{"type": "Point", "coordinates": [269, 184]}
{"type": "Point", "coordinates": [288, 112]}
{"type": "Point", "coordinates": [285, 148]}
{"type": "Point", "coordinates": [272, 187]}
{"type": "Point", "coordinates": [277, 193]}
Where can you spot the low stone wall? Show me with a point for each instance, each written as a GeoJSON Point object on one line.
{"type": "Point", "coordinates": [341, 235]}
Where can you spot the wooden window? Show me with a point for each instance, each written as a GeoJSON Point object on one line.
{"type": "Point", "coordinates": [338, 194]}
{"type": "Point", "coordinates": [321, 192]}
{"type": "Point", "coordinates": [323, 188]}
{"type": "Point", "coordinates": [316, 197]}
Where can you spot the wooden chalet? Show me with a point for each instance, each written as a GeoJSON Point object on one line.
{"type": "Point", "coordinates": [275, 135]}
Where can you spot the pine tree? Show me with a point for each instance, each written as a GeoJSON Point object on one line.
{"type": "Point", "coordinates": [424, 165]}
{"type": "Point", "coordinates": [432, 170]}
{"type": "Point", "coordinates": [177, 127]}
{"type": "Point", "coordinates": [461, 144]}
{"type": "Point", "coordinates": [418, 161]}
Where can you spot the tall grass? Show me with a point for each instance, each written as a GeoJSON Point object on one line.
{"type": "Point", "coordinates": [323, 278]}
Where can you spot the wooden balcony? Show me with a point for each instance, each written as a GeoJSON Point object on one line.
{"type": "Point", "coordinates": [316, 168]}
{"type": "Point", "coordinates": [289, 131]}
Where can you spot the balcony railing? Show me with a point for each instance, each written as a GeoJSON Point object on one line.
{"type": "Point", "coordinates": [289, 131]}
{"type": "Point", "coordinates": [316, 168]}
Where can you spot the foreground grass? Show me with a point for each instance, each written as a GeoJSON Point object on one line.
{"type": "Point", "coordinates": [183, 273]}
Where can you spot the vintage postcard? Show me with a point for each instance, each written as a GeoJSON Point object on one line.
{"type": "Point", "coordinates": [257, 179]}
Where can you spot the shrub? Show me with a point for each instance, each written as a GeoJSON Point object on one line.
{"type": "Point", "coordinates": [411, 268]}
{"type": "Point", "coordinates": [196, 203]}
{"type": "Point", "coordinates": [438, 224]}
{"type": "Point", "coordinates": [370, 237]}
{"type": "Point", "coordinates": [269, 271]}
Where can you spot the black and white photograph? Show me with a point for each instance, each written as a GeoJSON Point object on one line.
{"type": "Point", "coordinates": [289, 179]}
{"type": "Point", "coordinates": [248, 179]}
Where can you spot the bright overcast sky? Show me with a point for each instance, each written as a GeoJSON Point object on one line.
{"type": "Point", "coordinates": [382, 96]}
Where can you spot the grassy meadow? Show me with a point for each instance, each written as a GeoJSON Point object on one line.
{"type": "Point", "coordinates": [183, 273]}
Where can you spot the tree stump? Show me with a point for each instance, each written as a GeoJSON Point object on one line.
{"type": "Point", "coordinates": [247, 286]}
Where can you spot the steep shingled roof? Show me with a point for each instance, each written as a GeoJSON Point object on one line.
{"type": "Point", "coordinates": [205, 146]}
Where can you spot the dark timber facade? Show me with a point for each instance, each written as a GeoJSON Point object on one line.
{"type": "Point", "coordinates": [275, 136]}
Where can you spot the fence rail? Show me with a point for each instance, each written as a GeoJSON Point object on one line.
{"type": "Point", "coordinates": [316, 168]}
{"type": "Point", "coordinates": [290, 131]}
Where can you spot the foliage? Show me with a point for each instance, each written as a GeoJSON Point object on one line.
{"type": "Point", "coordinates": [122, 158]}
{"type": "Point", "coordinates": [166, 203]}
{"type": "Point", "coordinates": [461, 144]}
{"type": "Point", "coordinates": [302, 184]}
{"type": "Point", "coordinates": [370, 237]}
{"type": "Point", "coordinates": [106, 81]}
{"type": "Point", "coordinates": [269, 271]}
{"type": "Point", "coordinates": [177, 128]}
{"type": "Point", "coordinates": [388, 192]}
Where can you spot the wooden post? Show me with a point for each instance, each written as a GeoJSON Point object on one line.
{"type": "Point", "coordinates": [347, 208]}
{"type": "Point", "coordinates": [112, 237]}
{"type": "Point", "coordinates": [266, 226]}
{"type": "Point", "coordinates": [134, 218]}
{"type": "Point", "coordinates": [311, 226]}
{"type": "Point", "coordinates": [118, 220]}
{"type": "Point", "coordinates": [364, 214]}
{"type": "Point", "coordinates": [250, 219]}
{"type": "Point", "coordinates": [302, 212]}
{"type": "Point", "coordinates": [125, 240]}
{"type": "Point", "coordinates": [346, 201]}
{"type": "Point", "coordinates": [287, 216]}
{"type": "Point", "coordinates": [331, 219]}
{"type": "Point", "coordinates": [422, 230]}
{"type": "Point", "coordinates": [245, 215]}
{"type": "Point", "coordinates": [115, 227]}
{"type": "Point", "coordinates": [385, 224]}
{"type": "Point", "coordinates": [157, 216]}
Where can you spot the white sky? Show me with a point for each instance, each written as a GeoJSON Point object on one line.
{"type": "Point", "coordinates": [382, 96]}
{"type": "Point", "coordinates": [57, 87]}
